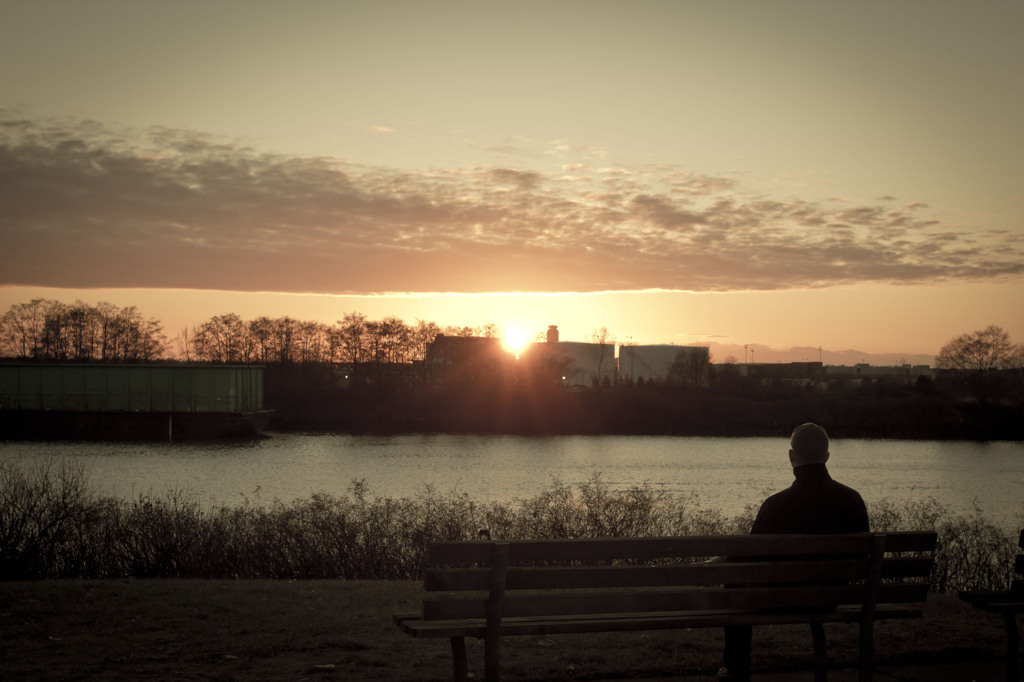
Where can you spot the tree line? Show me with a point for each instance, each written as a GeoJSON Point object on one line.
{"type": "Point", "coordinates": [354, 340]}
{"type": "Point", "coordinates": [363, 375]}
{"type": "Point", "coordinates": [50, 330]}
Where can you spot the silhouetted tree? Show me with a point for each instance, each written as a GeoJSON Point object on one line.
{"type": "Point", "coordinates": [21, 328]}
{"type": "Point", "coordinates": [352, 332]}
{"type": "Point", "coordinates": [312, 343]}
{"type": "Point", "coordinates": [691, 367]}
{"type": "Point", "coordinates": [50, 330]}
{"type": "Point", "coordinates": [222, 338]}
{"type": "Point", "coordinates": [284, 339]}
{"type": "Point", "coordinates": [601, 352]}
{"type": "Point", "coordinates": [975, 361]}
{"type": "Point", "coordinates": [421, 336]}
{"type": "Point", "coordinates": [545, 364]}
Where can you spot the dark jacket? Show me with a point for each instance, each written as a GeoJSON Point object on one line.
{"type": "Point", "coordinates": [813, 504]}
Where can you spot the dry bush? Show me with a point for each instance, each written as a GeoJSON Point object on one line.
{"type": "Point", "coordinates": [972, 553]}
{"type": "Point", "coordinates": [52, 527]}
{"type": "Point", "coordinates": [40, 510]}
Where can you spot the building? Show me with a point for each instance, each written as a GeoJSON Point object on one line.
{"type": "Point", "coordinates": [799, 373]}
{"type": "Point", "coordinates": [466, 358]}
{"type": "Point", "coordinates": [816, 374]}
{"type": "Point", "coordinates": [684, 364]}
{"type": "Point", "coordinates": [131, 402]}
{"type": "Point", "coordinates": [570, 363]}
{"type": "Point", "coordinates": [904, 374]}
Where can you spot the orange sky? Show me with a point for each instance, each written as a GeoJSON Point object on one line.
{"type": "Point", "coordinates": [873, 320]}
{"type": "Point", "coordinates": [845, 175]}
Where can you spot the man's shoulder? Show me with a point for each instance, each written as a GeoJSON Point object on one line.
{"type": "Point", "coordinates": [779, 497]}
{"type": "Point", "coordinates": [773, 510]}
{"type": "Point", "coordinates": [842, 488]}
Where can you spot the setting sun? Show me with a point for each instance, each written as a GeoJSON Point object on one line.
{"type": "Point", "coordinates": [515, 339]}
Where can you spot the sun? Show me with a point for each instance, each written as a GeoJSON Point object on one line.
{"type": "Point", "coordinates": [515, 339]}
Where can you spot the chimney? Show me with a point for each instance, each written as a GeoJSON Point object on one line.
{"type": "Point", "coordinates": [553, 333]}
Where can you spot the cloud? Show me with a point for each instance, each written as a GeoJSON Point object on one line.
{"type": "Point", "coordinates": [86, 205]}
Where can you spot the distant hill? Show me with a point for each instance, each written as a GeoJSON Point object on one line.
{"type": "Point", "coordinates": [720, 352]}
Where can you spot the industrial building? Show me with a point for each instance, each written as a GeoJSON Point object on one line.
{"type": "Point", "coordinates": [685, 364]}
{"type": "Point", "coordinates": [572, 363]}
{"type": "Point", "coordinates": [136, 401]}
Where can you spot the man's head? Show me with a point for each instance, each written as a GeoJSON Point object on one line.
{"type": "Point", "coordinates": [808, 445]}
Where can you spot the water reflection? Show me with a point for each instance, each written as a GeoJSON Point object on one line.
{"type": "Point", "coordinates": [723, 473]}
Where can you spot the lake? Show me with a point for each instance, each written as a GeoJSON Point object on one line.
{"type": "Point", "coordinates": [722, 473]}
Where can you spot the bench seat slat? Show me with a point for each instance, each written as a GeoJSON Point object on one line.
{"type": "Point", "coordinates": [476, 579]}
{"type": "Point", "coordinates": [654, 600]}
{"type": "Point", "coordinates": [445, 607]}
{"type": "Point", "coordinates": [643, 621]}
{"type": "Point", "coordinates": [525, 578]}
{"type": "Point", "coordinates": [907, 568]}
{"type": "Point", "coordinates": [911, 541]}
{"type": "Point", "coordinates": [995, 602]}
{"type": "Point", "coordinates": [999, 607]}
{"type": "Point", "coordinates": [598, 549]}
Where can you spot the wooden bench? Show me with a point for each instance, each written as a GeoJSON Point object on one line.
{"type": "Point", "coordinates": [496, 589]}
{"type": "Point", "coordinates": [1007, 603]}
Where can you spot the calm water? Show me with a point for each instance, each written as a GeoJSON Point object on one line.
{"type": "Point", "coordinates": [724, 473]}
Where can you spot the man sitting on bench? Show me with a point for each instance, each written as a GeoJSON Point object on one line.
{"type": "Point", "coordinates": [813, 504]}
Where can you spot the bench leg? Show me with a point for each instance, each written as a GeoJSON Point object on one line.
{"type": "Point", "coordinates": [1012, 648]}
{"type": "Point", "coordinates": [820, 652]}
{"type": "Point", "coordinates": [867, 650]}
{"type": "Point", "coordinates": [460, 671]}
{"type": "Point", "coordinates": [492, 659]}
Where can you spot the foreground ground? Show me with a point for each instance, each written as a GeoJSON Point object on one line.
{"type": "Point", "coordinates": [334, 630]}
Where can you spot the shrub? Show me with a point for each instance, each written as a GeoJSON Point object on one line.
{"type": "Point", "coordinates": [50, 527]}
{"type": "Point", "coordinates": [40, 511]}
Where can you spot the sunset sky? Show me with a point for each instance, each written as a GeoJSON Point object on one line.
{"type": "Point", "coordinates": [823, 174]}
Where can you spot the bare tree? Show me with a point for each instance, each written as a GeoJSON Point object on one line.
{"type": "Point", "coordinates": [284, 339]}
{"type": "Point", "coordinates": [601, 352]}
{"type": "Point", "coordinates": [221, 338]}
{"type": "Point", "coordinates": [150, 342]}
{"type": "Point", "coordinates": [691, 367]}
{"type": "Point", "coordinates": [55, 336]}
{"type": "Point", "coordinates": [393, 346]}
{"type": "Point", "coordinates": [82, 325]}
{"type": "Point", "coordinates": [421, 336]}
{"type": "Point", "coordinates": [52, 330]}
{"type": "Point", "coordinates": [261, 333]}
{"type": "Point", "coordinates": [352, 332]}
{"type": "Point", "coordinates": [107, 315]}
{"type": "Point", "coordinates": [183, 344]}
{"type": "Point", "coordinates": [489, 331]}
{"type": "Point", "coordinates": [21, 329]}
{"type": "Point", "coordinates": [311, 342]}
{"type": "Point", "coordinates": [977, 361]}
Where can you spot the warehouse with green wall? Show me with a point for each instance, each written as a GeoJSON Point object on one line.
{"type": "Point", "coordinates": [131, 388]}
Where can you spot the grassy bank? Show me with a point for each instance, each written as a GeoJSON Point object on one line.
{"type": "Point", "coordinates": [342, 630]}
{"type": "Point", "coordinates": [52, 526]}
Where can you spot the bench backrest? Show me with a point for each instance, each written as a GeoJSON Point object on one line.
{"type": "Point", "coordinates": [536, 578]}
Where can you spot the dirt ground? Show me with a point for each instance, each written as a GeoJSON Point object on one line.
{"type": "Point", "coordinates": [336, 630]}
